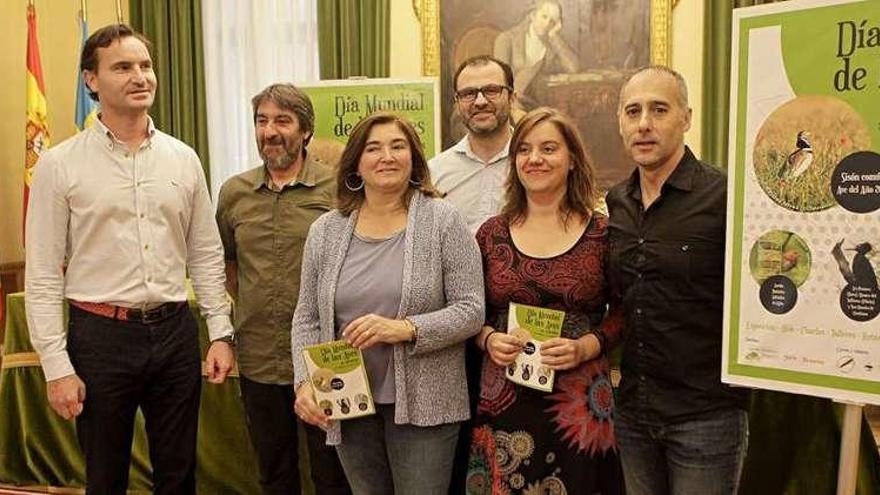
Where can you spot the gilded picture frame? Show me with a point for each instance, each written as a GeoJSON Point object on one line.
{"type": "Point", "coordinates": [608, 40]}
{"type": "Point", "coordinates": [428, 13]}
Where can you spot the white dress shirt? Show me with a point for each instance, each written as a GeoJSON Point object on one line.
{"type": "Point", "coordinates": [474, 186]}
{"type": "Point", "coordinates": [127, 225]}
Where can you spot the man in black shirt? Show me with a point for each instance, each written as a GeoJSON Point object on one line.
{"type": "Point", "coordinates": [681, 431]}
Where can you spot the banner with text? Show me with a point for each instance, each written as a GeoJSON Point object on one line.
{"type": "Point", "coordinates": [803, 236]}
{"type": "Point", "coordinates": [341, 104]}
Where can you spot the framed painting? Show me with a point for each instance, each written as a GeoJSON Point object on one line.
{"type": "Point", "coordinates": [596, 45]}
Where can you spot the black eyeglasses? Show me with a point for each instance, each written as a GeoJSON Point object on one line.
{"type": "Point", "coordinates": [490, 92]}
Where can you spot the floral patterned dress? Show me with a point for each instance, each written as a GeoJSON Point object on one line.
{"type": "Point", "coordinates": [561, 442]}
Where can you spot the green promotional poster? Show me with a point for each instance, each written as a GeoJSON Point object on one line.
{"type": "Point", "coordinates": [803, 236]}
{"type": "Point", "coordinates": [341, 104]}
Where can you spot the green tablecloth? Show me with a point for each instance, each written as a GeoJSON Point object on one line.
{"type": "Point", "coordinates": [37, 447]}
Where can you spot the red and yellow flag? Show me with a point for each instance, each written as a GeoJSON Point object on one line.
{"type": "Point", "coordinates": [37, 128]}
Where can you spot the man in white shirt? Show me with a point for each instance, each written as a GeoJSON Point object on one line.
{"type": "Point", "coordinates": [118, 214]}
{"type": "Point", "coordinates": [473, 172]}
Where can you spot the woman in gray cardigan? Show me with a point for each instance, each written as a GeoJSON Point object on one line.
{"type": "Point", "coordinates": [394, 271]}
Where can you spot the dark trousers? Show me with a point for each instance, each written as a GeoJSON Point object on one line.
{"type": "Point", "coordinates": [702, 455]}
{"type": "Point", "coordinates": [126, 365]}
{"type": "Point", "coordinates": [272, 426]}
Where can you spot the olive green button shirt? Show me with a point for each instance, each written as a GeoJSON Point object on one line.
{"type": "Point", "coordinates": [264, 231]}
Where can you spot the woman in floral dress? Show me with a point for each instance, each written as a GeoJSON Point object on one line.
{"type": "Point", "coordinates": [547, 249]}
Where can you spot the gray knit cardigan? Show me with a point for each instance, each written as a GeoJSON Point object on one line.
{"type": "Point", "coordinates": [442, 295]}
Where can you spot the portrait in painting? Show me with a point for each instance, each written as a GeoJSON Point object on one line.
{"type": "Point", "coordinates": [570, 54]}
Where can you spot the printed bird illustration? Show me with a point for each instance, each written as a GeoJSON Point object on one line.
{"type": "Point", "coordinates": [800, 159]}
{"type": "Point", "coordinates": [790, 259]}
{"type": "Point", "coordinates": [861, 272]}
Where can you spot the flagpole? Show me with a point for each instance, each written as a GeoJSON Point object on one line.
{"type": "Point", "coordinates": [119, 11]}
{"type": "Point", "coordinates": [82, 11]}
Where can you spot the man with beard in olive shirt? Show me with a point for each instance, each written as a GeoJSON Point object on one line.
{"type": "Point", "coordinates": [264, 215]}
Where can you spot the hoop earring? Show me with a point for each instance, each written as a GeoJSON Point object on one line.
{"type": "Point", "coordinates": [415, 183]}
{"type": "Point", "coordinates": [353, 188]}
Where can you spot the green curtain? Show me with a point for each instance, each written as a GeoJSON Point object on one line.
{"type": "Point", "coordinates": [354, 38]}
{"type": "Point", "coordinates": [175, 28]}
{"type": "Point", "coordinates": [716, 76]}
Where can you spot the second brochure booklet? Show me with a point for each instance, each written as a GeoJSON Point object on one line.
{"type": "Point", "coordinates": [533, 325]}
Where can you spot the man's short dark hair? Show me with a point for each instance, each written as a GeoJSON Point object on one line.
{"type": "Point", "coordinates": [289, 97]}
{"type": "Point", "coordinates": [479, 61]}
{"type": "Point", "coordinates": [102, 38]}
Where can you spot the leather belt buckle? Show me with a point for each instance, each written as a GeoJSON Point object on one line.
{"type": "Point", "coordinates": [154, 315]}
{"type": "Point", "coordinates": [135, 314]}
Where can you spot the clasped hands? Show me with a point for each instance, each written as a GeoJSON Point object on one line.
{"type": "Point", "coordinates": [558, 353]}
{"type": "Point", "coordinates": [370, 329]}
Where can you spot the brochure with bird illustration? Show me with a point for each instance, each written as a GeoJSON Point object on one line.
{"type": "Point", "coordinates": [339, 379]}
{"type": "Point", "coordinates": [533, 326]}
{"type": "Point", "coordinates": [802, 303]}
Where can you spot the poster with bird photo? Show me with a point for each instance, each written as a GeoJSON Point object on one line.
{"type": "Point", "coordinates": [802, 306]}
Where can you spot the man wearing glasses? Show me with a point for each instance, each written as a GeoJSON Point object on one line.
{"type": "Point", "coordinates": [472, 173]}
